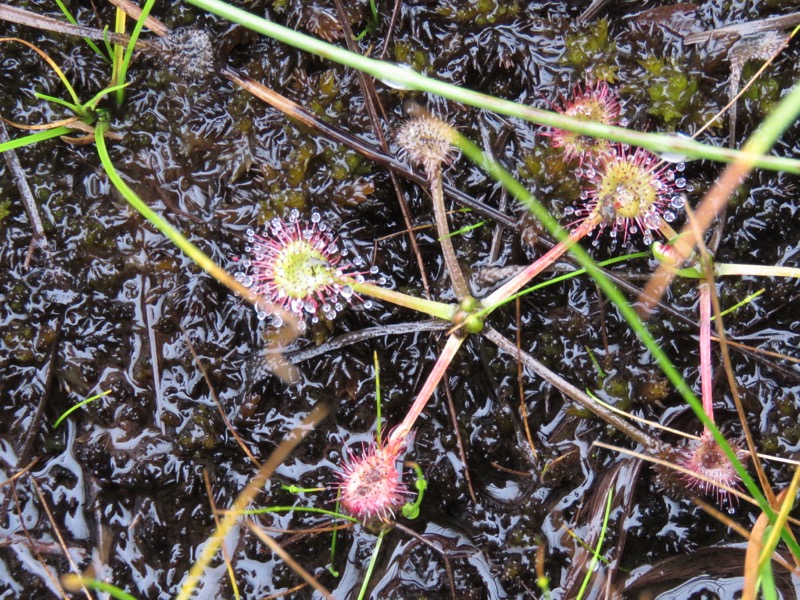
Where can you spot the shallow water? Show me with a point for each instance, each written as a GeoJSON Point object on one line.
{"type": "Point", "coordinates": [106, 309]}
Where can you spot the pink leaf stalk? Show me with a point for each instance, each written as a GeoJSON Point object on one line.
{"type": "Point", "coordinates": [445, 358]}
{"type": "Point", "coordinates": [705, 352]}
{"type": "Point", "coordinates": [523, 277]}
{"type": "Point", "coordinates": [627, 192]}
{"type": "Point", "coordinates": [711, 466]}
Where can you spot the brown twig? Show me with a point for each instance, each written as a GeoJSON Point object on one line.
{"type": "Point", "coordinates": [448, 569]}
{"type": "Point", "coordinates": [33, 428]}
{"type": "Point", "coordinates": [57, 533]}
{"type": "Point", "coordinates": [28, 201]}
{"type": "Point", "coordinates": [214, 397]}
{"type": "Point", "coordinates": [297, 112]}
{"type": "Point", "coordinates": [454, 419]}
{"type": "Point", "coordinates": [523, 409]}
{"type": "Point", "coordinates": [21, 472]}
{"type": "Point", "coordinates": [50, 575]}
{"type": "Point", "coordinates": [740, 29]}
{"type": "Point", "coordinates": [558, 382]}
{"type": "Point", "coordinates": [13, 14]}
{"type": "Point", "coordinates": [372, 102]}
{"type": "Point", "coordinates": [278, 550]}
{"type": "Point", "coordinates": [244, 498]}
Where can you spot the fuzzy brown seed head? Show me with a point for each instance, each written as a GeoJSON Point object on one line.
{"type": "Point", "coordinates": [426, 142]}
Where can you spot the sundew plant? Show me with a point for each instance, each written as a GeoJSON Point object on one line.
{"type": "Point", "coordinates": [492, 300]}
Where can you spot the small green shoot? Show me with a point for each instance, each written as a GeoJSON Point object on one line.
{"type": "Point", "coordinates": [75, 407]}
{"type": "Point", "coordinates": [747, 300]}
{"type": "Point", "coordinates": [465, 229]}
{"type": "Point", "coordinates": [600, 373]}
{"type": "Point", "coordinates": [72, 20]}
{"type": "Point", "coordinates": [331, 569]}
{"type": "Point", "coordinates": [73, 583]}
{"type": "Point", "coordinates": [50, 62]}
{"type": "Point", "coordinates": [34, 138]}
{"type": "Point", "coordinates": [372, 24]}
{"type": "Point", "coordinates": [377, 397]}
{"type": "Point", "coordinates": [410, 510]}
{"type": "Point", "coordinates": [294, 489]}
{"type": "Point", "coordinates": [596, 555]}
{"type": "Point", "coordinates": [126, 60]}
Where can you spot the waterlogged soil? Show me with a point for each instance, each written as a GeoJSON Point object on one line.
{"type": "Point", "coordinates": [124, 488]}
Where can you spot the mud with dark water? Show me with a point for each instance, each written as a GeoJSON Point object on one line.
{"type": "Point", "coordinates": [106, 308]}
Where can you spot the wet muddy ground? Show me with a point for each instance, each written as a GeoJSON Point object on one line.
{"type": "Point", "coordinates": [113, 305]}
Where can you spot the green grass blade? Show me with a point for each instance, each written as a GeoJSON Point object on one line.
{"type": "Point", "coordinates": [76, 108]}
{"type": "Point", "coordinates": [34, 138]}
{"type": "Point", "coordinates": [192, 251]}
{"type": "Point", "coordinates": [126, 60]}
{"type": "Point", "coordinates": [404, 77]}
{"type": "Point", "coordinates": [373, 559]}
{"type": "Point", "coordinates": [74, 582]}
{"type": "Point", "coordinates": [596, 553]}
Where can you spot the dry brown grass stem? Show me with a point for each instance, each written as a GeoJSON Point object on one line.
{"type": "Point", "coordinates": [214, 396]}
{"type": "Point", "coordinates": [523, 409]}
{"type": "Point", "coordinates": [245, 497]}
{"type": "Point", "coordinates": [777, 355]}
{"type": "Point", "coordinates": [21, 472]}
{"type": "Point", "coordinates": [226, 556]}
{"type": "Point", "coordinates": [461, 453]}
{"type": "Point", "coordinates": [675, 467]}
{"type": "Point", "coordinates": [57, 533]}
{"type": "Point", "coordinates": [683, 434]}
{"type": "Point", "coordinates": [786, 503]}
{"type": "Point", "coordinates": [310, 531]}
{"type": "Point", "coordinates": [741, 91]}
{"type": "Point", "coordinates": [296, 588]}
{"type": "Point", "coordinates": [278, 550]}
{"type": "Point", "coordinates": [50, 575]}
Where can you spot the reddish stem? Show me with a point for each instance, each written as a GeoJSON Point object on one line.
{"type": "Point", "coordinates": [523, 277]}
{"type": "Point", "coordinates": [705, 351]}
{"type": "Point", "coordinates": [444, 360]}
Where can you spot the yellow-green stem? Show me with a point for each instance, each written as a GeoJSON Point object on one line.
{"type": "Point", "coordinates": [723, 269]}
{"type": "Point", "coordinates": [440, 310]}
